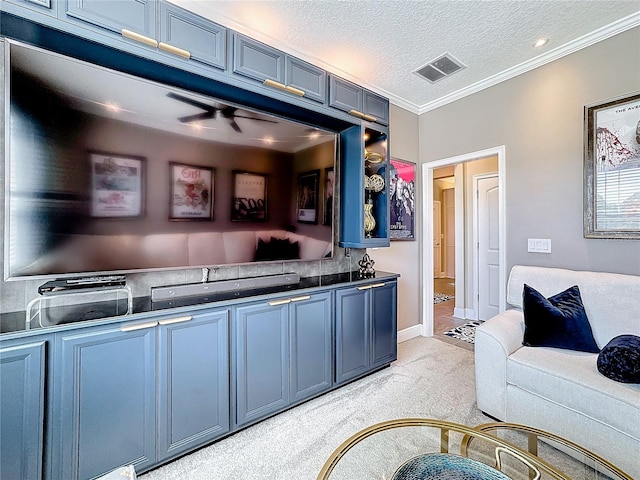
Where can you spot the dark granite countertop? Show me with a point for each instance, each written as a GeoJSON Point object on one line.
{"type": "Point", "coordinates": [79, 315]}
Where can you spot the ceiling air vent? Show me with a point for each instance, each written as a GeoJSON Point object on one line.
{"type": "Point", "coordinates": [441, 67]}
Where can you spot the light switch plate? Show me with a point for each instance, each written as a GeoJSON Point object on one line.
{"type": "Point", "coordinates": [539, 245]}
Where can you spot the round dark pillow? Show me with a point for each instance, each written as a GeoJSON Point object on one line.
{"type": "Point", "coordinates": [619, 360]}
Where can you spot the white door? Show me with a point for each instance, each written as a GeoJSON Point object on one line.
{"type": "Point", "coordinates": [437, 233]}
{"type": "Point", "coordinates": [488, 247]}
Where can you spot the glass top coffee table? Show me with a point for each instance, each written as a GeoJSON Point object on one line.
{"type": "Point", "coordinates": [421, 449]}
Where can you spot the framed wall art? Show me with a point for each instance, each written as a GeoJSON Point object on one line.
{"type": "Point", "coordinates": [402, 200]}
{"type": "Point", "coordinates": [191, 192]}
{"type": "Point", "coordinates": [612, 168]}
{"type": "Point", "coordinates": [117, 185]}
{"type": "Point", "coordinates": [308, 184]}
{"type": "Point", "coordinates": [249, 197]}
{"type": "Point", "coordinates": [329, 183]}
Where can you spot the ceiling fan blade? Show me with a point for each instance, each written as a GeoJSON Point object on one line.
{"type": "Point", "coordinates": [256, 119]}
{"type": "Point", "coordinates": [196, 117]}
{"type": "Point", "coordinates": [192, 102]}
{"type": "Point", "coordinates": [235, 126]}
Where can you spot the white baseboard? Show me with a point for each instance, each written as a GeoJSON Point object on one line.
{"type": "Point", "coordinates": [464, 313]}
{"type": "Point", "coordinates": [409, 333]}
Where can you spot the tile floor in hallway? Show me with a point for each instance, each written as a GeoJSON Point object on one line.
{"type": "Point", "coordinates": [443, 318]}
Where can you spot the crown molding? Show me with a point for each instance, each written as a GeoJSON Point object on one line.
{"type": "Point", "coordinates": [596, 36]}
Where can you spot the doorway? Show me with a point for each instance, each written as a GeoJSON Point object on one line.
{"type": "Point", "coordinates": [465, 276]}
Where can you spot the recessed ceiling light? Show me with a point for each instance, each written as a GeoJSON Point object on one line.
{"type": "Point", "coordinates": [540, 42]}
{"type": "Point", "coordinates": [112, 107]}
{"type": "Point", "coordinates": [314, 135]}
{"type": "Point", "coordinates": [268, 140]}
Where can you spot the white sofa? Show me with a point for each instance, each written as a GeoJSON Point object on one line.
{"type": "Point", "coordinates": [557, 390]}
{"type": "Point", "coordinates": [123, 252]}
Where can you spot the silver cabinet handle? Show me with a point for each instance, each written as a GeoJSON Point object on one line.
{"type": "Point", "coordinates": [365, 287]}
{"type": "Point", "coordinates": [279, 302]}
{"type": "Point", "coordinates": [304, 297]}
{"type": "Point", "coordinates": [175, 50]}
{"type": "Point", "coordinates": [139, 38]}
{"type": "Point", "coordinates": [376, 285]}
{"type": "Point", "coordinates": [169, 321]}
{"type": "Point", "coordinates": [130, 327]}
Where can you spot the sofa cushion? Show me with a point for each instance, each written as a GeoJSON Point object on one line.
{"type": "Point", "coordinates": [558, 321]}
{"type": "Point", "coordinates": [571, 379]}
{"type": "Point", "coordinates": [619, 360]}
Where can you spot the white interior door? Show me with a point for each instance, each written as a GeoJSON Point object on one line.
{"type": "Point", "coordinates": [488, 268]}
{"type": "Point", "coordinates": [437, 234]}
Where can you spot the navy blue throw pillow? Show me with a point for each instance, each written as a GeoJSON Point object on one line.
{"type": "Point", "coordinates": [559, 321]}
{"type": "Point", "coordinates": [619, 360]}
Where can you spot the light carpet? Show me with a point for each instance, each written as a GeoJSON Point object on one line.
{"type": "Point", "coordinates": [431, 379]}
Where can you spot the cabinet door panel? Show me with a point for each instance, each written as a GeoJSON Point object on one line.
{"type": "Point", "coordinates": [384, 345]}
{"type": "Point", "coordinates": [345, 95]}
{"type": "Point", "coordinates": [307, 77]}
{"type": "Point", "coordinates": [310, 327]}
{"type": "Point", "coordinates": [205, 40]}
{"type": "Point", "coordinates": [104, 400]}
{"type": "Point", "coordinates": [22, 374]}
{"type": "Point", "coordinates": [114, 15]}
{"type": "Point", "coordinates": [352, 334]}
{"type": "Point", "coordinates": [193, 383]}
{"type": "Point", "coordinates": [377, 106]}
{"type": "Point", "coordinates": [256, 60]}
{"type": "Point", "coordinates": [262, 361]}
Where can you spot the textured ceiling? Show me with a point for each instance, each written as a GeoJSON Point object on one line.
{"type": "Point", "coordinates": [379, 44]}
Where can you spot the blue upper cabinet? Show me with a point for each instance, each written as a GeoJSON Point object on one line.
{"type": "Point", "coordinates": [275, 69]}
{"type": "Point", "coordinates": [355, 100]}
{"type": "Point", "coordinates": [184, 34]}
{"type": "Point", "coordinates": [364, 197]}
{"type": "Point", "coordinates": [48, 7]}
{"type": "Point", "coordinates": [118, 16]}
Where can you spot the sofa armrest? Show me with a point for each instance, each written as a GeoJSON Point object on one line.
{"type": "Point", "coordinates": [496, 339]}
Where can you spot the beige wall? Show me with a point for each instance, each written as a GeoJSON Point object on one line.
{"type": "Point", "coordinates": [538, 116]}
{"type": "Point", "coordinates": [403, 257]}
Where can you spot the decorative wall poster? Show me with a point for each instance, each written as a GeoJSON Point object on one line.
{"type": "Point", "coordinates": [402, 200]}
{"type": "Point", "coordinates": [249, 197]}
{"type": "Point", "coordinates": [191, 192]}
{"type": "Point", "coordinates": [329, 182]}
{"type": "Point", "coordinates": [308, 196]}
{"type": "Point", "coordinates": [612, 169]}
{"type": "Point", "coordinates": [116, 186]}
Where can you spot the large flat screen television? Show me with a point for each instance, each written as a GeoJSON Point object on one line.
{"type": "Point", "coordinates": [107, 172]}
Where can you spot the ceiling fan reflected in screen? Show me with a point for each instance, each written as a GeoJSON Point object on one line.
{"type": "Point", "coordinates": [210, 111]}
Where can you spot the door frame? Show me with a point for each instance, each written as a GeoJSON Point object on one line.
{"type": "Point", "coordinates": [427, 244]}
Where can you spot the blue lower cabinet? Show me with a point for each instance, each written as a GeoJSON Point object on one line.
{"type": "Point", "coordinates": [366, 329]}
{"type": "Point", "coordinates": [104, 405]}
{"type": "Point", "coordinates": [282, 352]}
{"type": "Point", "coordinates": [310, 346]}
{"type": "Point", "coordinates": [193, 381]}
{"type": "Point", "coordinates": [22, 401]}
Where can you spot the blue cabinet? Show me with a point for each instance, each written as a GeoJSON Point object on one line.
{"type": "Point", "coordinates": [261, 360]}
{"type": "Point", "coordinates": [138, 16]}
{"type": "Point", "coordinates": [366, 329]}
{"type": "Point", "coordinates": [364, 195]}
{"type": "Point", "coordinates": [181, 31]}
{"type": "Point", "coordinates": [47, 7]}
{"type": "Point", "coordinates": [22, 403]}
{"type": "Point", "coordinates": [275, 69]}
{"type": "Point", "coordinates": [193, 381]}
{"type": "Point", "coordinates": [355, 100]}
{"type": "Point", "coordinates": [104, 400]}
{"type": "Point", "coordinates": [282, 354]}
